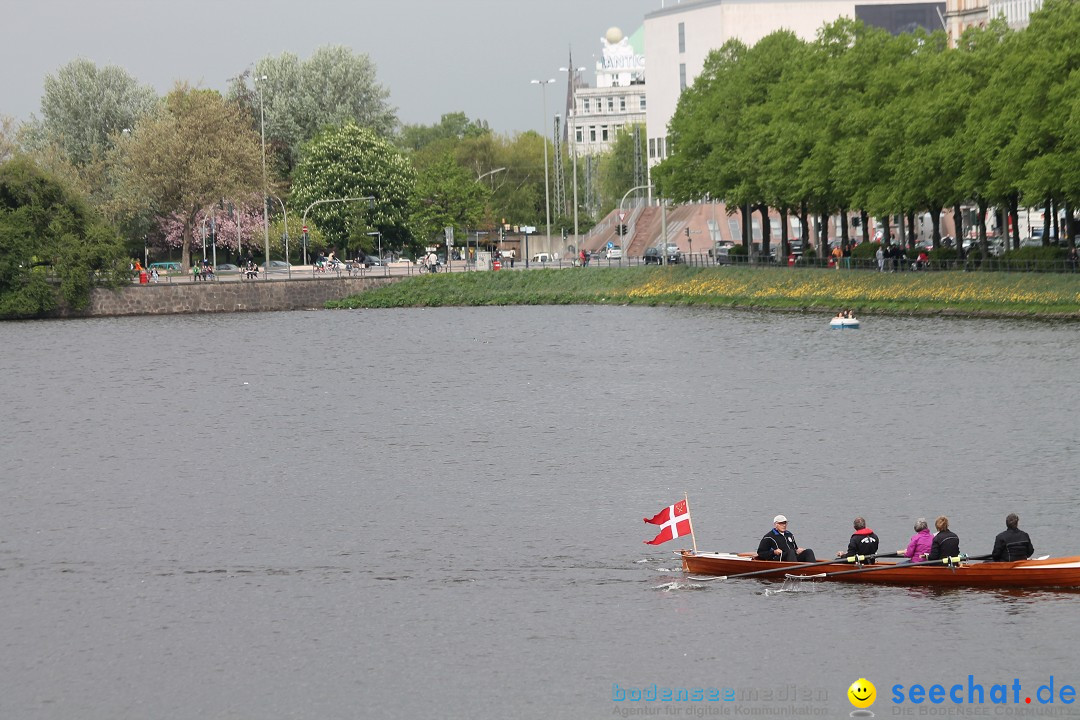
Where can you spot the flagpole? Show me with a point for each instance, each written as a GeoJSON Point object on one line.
{"type": "Point", "coordinates": [690, 517]}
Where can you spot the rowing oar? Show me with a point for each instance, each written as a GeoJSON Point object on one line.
{"type": "Point", "coordinates": [849, 559]}
{"type": "Point", "coordinates": [949, 561]}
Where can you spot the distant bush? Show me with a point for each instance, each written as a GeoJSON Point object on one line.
{"type": "Point", "coordinates": [866, 251]}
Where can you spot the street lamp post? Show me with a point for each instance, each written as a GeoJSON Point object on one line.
{"type": "Point", "coordinates": [285, 217]}
{"type": "Point", "coordinates": [543, 136]}
{"type": "Point", "coordinates": [572, 135]}
{"type": "Point", "coordinates": [477, 255]}
{"type": "Point", "coordinates": [622, 241]}
{"type": "Point", "coordinates": [369, 198]}
{"type": "Point", "coordinates": [373, 234]}
{"type": "Point", "coordinates": [262, 132]}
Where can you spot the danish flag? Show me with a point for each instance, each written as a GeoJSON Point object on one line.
{"type": "Point", "coordinates": [674, 521]}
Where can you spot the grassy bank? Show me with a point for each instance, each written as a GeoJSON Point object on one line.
{"type": "Point", "coordinates": [1027, 294]}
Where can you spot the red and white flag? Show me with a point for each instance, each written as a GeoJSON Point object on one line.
{"type": "Point", "coordinates": [674, 521]}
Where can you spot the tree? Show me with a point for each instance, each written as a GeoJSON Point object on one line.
{"type": "Point", "coordinates": [617, 166]}
{"type": "Point", "coordinates": [447, 195]}
{"type": "Point", "coordinates": [51, 243]}
{"type": "Point", "coordinates": [193, 151]}
{"type": "Point", "coordinates": [299, 98]}
{"type": "Point", "coordinates": [9, 143]}
{"type": "Point", "coordinates": [452, 126]}
{"type": "Point", "coordinates": [85, 108]}
{"type": "Point", "coordinates": [353, 162]}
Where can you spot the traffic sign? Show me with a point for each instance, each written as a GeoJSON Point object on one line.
{"type": "Point", "coordinates": [610, 245]}
{"type": "Point", "coordinates": [305, 228]}
{"type": "Point", "coordinates": [622, 215]}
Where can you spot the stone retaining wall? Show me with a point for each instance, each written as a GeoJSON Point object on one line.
{"type": "Point", "coordinates": [221, 297]}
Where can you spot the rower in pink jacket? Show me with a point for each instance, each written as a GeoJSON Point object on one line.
{"type": "Point", "coordinates": [920, 542]}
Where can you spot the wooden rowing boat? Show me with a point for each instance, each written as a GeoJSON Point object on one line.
{"type": "Point", "coordinates": [1043, 573]}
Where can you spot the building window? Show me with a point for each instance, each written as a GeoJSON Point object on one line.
{"type": "Point", "coordinates": [652, 148]}
{"type": "Point", "coordinates": [585, 104]}
{"type": "Point", "coordinates": [682, 37]}
{"type": "Point", "coordinates": [641, 103]}
{"type": "Point", "coordinates": [579, 134]}
{"type": "Point", "coordinates": [611, 104]}
{"type": "Point", "coordinates": [622, 103]}
{"type": "Point", "coordinates": [604, 133]}
{"type": "Point", "coordinates": [682, 76]}
{"type": "Point", "coordinates": [660, 148]}
{"type": "Point", "coordinates": [592, 133]}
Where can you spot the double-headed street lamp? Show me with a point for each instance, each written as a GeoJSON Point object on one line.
{"type": "Point", "coordinates": [543, 136]}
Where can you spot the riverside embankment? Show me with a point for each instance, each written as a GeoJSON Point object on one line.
{"type": "Point", "coordinates": [974, 293]}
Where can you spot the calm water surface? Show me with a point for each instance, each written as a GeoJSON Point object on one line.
{"type": "Point", "coordinates": [437, 513]}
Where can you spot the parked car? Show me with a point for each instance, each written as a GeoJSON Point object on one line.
{"type": "Point", "coordinates": [614, 253]}
{"type": "Point", "coordinates": [654, 256]}
{"type": "Point", "coordinates": [226, 268]}
{"type": "Point", "coordinates": [542, 257]}
{"type": "Point", "coordinates": [278, 266]}
{"type": "Point", "coordinates": [165, 267]}
{"type": "Point", "coordinates": [722, 253]}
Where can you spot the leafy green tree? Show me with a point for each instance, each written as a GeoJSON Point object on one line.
{"type": "Point", "coordinates": [616, 168]}
{"type": "Point", "coordinates": [447, 195]}
{"type": "Point", "coordinates": [51, 243]}
{"type": "Point", "coordinates": [194, 150]}
{"type": "Point", "coordinates": [353, 162]}
{"type": "Point", "coordinates": [452, 126]}
{"type": "Point", "coordinates": [85, 108]}
{"type": "Point", "coordinates": [333, 87]}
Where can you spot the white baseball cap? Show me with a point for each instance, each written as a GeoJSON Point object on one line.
{"type": "Point", "coordinates": [779, 519]}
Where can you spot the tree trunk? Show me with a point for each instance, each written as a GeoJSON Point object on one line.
{"type": "Point", "coordinates": [983, 246]}
{"type": "Point", "coordinates": [823, 239]}
{"type": "Point", "coordinates": [785, 244]}
{"type": "Point", "coordinates": [913, 236]}
{"type": "Point", "coordinates": [766, 230]}
{"type": "Point", "coordinates": [935, 223]}
{"type": "Point", "coordinates": [886, 230]}
{"type": "Point", "coordinates": [845, 238]}
{"type": "Point", "coordinates": [1014, 215]}
{"type": "Point", "coordinates": [747, 233]}
{"type": "Point", "coordinates": [958, 228]}
{"type": "Point", "coordinates": [865, 217]}
{"type": "Point", "coordinates": [1057, 234]}
{"type": "Point", "coordinates": [804, 222]}
{"type": "Point", "coordinates": [1047, 212]}
{"type": "Point", "coordinates": [1069, 231]}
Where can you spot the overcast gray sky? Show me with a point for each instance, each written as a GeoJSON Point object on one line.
{"type": "Point", "coordinates": [435, 56]}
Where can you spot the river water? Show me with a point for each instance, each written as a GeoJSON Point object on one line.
{"type": "Point", "coordinates": [436, 513]}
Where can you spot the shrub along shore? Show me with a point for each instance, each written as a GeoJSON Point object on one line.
{"type": "Point", "coordinates": [954, 293]}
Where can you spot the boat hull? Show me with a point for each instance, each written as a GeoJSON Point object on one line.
{"type": "Point", "coordinates": [1031, 574]}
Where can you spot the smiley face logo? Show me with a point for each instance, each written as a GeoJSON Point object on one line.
{"type": "Point", "coordinates": [862, 693]}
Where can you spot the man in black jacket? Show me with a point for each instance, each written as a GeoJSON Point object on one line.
{"type": "Point", "coordinates": [779, 544]}
{"type": "Point", "coordinates": [1013, 543]}
{"type": "Point", "coordinates": [863, 542]}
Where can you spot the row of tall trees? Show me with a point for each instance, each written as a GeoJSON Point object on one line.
{"type": "Point", "coordinates": [862, 121]}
